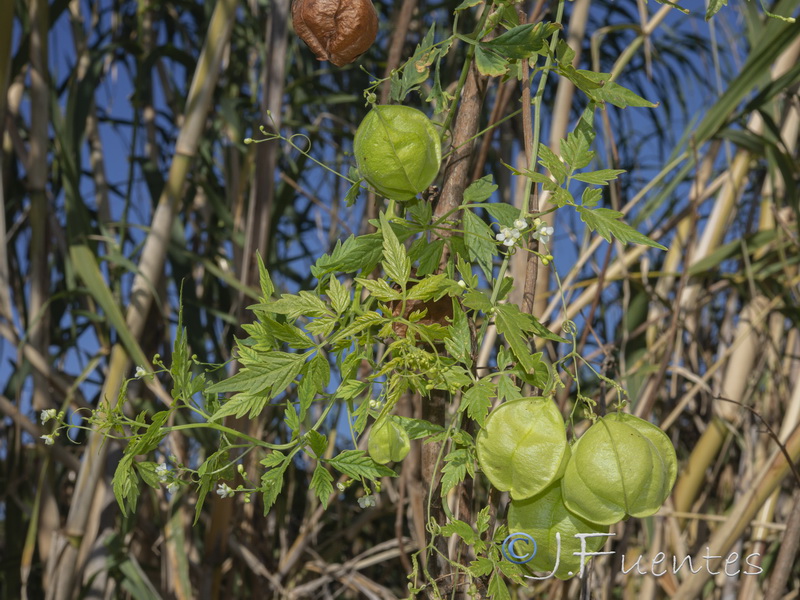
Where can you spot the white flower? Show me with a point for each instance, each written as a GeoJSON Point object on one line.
{"type": "Point", "coordinates": [340, 486]}
{"type": "Point", "coordinates": [161, 471]}
{"type": "Point", "coordinates": [50, 413]}
{"type": "Point", "coordinates": [367, 501]}
{"type": "Point", "coordinates": [543, 233]}
{"type": "Point", "coordinates": [49, 440]}
{"type": "Point", "coordinates": [172, 487]}
{"type": "Point", "coordinates": [520, 224]}
{"type": "Point", "coordinates": [508, 236]}
{"type": "Point", "coordinates": [140, 372]}
{"type": "Point", "coordinates": [224, 490]}
{"type": "Point", "coordinates": [462, 284]}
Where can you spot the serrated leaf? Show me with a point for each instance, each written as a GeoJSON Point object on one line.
{"type": "Point", "coordinates": [318, 443]}
{"type": "Point", "coordinates": [550, 161]}
{"type": "Point", "coordinates": [291, 419]}
{"type": "Point", "coordinates": [267, 288]}
{"type": "Point", "coordinates": [350, 388]}
{"type": "Point", "coordinates": [480, 190]}
{"type": "Point", "coordinates": [714, 7]}
{"type": "Point", "coordinates": [258, 384]}
{"type": "Point", "coordinates": [430, 257]}
{"type": "Point", "coordinates": [591, 197]}
{"type": "Point", "coordinates": [504, 214]}
{"type": "Point", "coordinates": [614, 93]}
{"type": "Point", "coordinates": [497, 588]}
{"type": "Point", "coordinates": [482, 520]}
{"type": "Point", "coordinates": [360, 323]}
{"type": "Point", "coordinates": [467, 4]}
{"type": "Point", "coordinates": [512, 325]}
{"type": "Point", "coordinates": [576, 149]}
{"type": "Point", "coordinates": [294, 336]}
{"type": "Point", "coordinates": [522, 41]}
{"type": "Point", "coordinates": [417, 69]}
{"type": "Point", "coordinates": [477, 401]}
{"type": "Point", "coordinates": [506, 389]}
{"type": "Point", "coordinates": [600, 177]}
{"type": "Point", "coordinates": [316, 374]}
{"type": "Point", "coordinates": [395, 260]}
{"type": "Point", "coordinates": [305, 304]}
{"type": "Point", "coordinates": [356, 464]}
{"type": "Point", "coordinates": [339, 295]}
{"type": "Point", "coordinates": [356, 253]}
{"type": "Point", "coordinates": [417, 428]}
{"type": "Point", "coordinates": [429, 288]}
{"type": "Point", "coordinates": [322, 484]}
{"type": "Point", "coordinates": [479, 240]}
{"type": "Point", "coordinates": [352, 194]}
{"type": "Point", "coordinates": [459, 343]}
{"type": "Point", "coordinates": [379, 288]}
{"type": "Point", "coordinates": [489, 63]}
{"type": "Point", "coordinates": [477, 300]}
{"type": "Point", "coordinates": [271, 485]}
{"type": "Point", "coordinates": [461, 529]}
{"type": "Point", "coordinates": [272, 459]}
{"type": "Point", "coordinates": [480, 567]}
{"type": "Point", "coordinates": [455, 469]}
{"type": "Point", "coordinates": [606, 223]}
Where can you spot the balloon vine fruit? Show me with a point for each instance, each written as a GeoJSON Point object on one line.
{"type": "Point", "coordinates": [622, 466]}
{"type": "Point", "coordinates": [388, 441]}
{"type": "Point", "coordinates": [336, 30]}
{"type": "Point", "coordinates": [398, 151]}
{"type": "Point", "coordinates": [522, 447]}
{"type": "Point", "coordinates": [544, 515]}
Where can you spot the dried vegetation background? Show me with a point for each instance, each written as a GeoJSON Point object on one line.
{"type": "Point", "coordinates": [123, 173]}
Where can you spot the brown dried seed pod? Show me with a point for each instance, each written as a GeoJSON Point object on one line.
{"type": "Point", "coordinates": [336, 30]}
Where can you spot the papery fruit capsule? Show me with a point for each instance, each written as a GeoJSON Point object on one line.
{"type": "Point", "coordinates": [336, 30]}
{"type": "Point", "coordinates": [544, 515]}
{"type": "Point", "coordinates": [388, 441]}
{"type": "Point", "coordinates": [522, 447]}
{"type": "Point", "coordinates": [622, 466]}
{"type": "Point", "coordinates": [398, 151]}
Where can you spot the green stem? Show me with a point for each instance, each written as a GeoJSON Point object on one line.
{"type": "Point", "coordinates": [537, 102]}
{"type": "Point", "coordinates": [229, 431]}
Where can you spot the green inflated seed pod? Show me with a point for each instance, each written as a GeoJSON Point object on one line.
{"type": "Point", "coordinates": [397, 151]}
{"type": "Point", "coordinates": [388, 442]}
{"type": "Point", "coordinates": [522, 447]}
{"type": "Point", "coordinates": [622, 466]}
{"type": "Point", "coordinates": [542, 517]}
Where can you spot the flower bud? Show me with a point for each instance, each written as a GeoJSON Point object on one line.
{"type": "Point", "coordinates": [336, 30]}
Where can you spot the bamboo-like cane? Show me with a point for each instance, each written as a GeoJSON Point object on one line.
{"type": "Point", "coordinates": [63, 566]}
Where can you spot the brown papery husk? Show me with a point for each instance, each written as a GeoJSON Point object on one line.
{"type": "Point", "coordinates": [336, 30]}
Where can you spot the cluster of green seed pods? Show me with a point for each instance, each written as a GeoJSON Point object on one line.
{"type": "Point", "coordinates": [621, 467]}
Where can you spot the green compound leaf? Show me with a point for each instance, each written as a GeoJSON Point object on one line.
{"type": "Point", "coordinates": [622, 466]}
{"type": "Point", "coordinates": [355, 464]}
{"type": "Point", "coordinates": [477, 400]}
{"type": "Point", "coordinates": [606, 223]}
{"type": "Point", "coordinates": [461, 529]}
{"type": "Point", "coordinates": [479, 241]}
{"type": "Point", "coordinates": [395, 260]}
{"type": "Point", "coordinates": [522, 41]}
{"type": "Point", "coordinates": [541, 517]}
{"type": "Point", "coordinates": [523, 447]}
{"type": "Point", "coordinates": [489, 63]}
{"type": "Point", "coordinates": [322, 484]}
{"type": "Point", "coordinates": [398, 151]}
{"type": "Point", "coordinates": [454, 471]}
